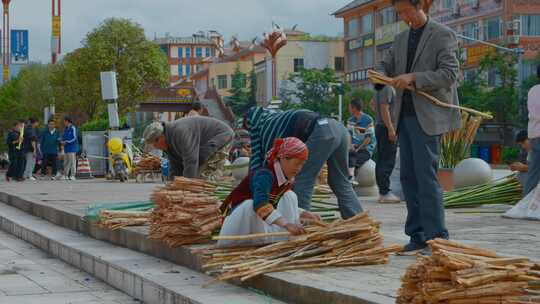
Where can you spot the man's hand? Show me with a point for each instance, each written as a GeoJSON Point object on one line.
{"type": "Point", "coordinates": [295, 229]}
{"type": "Point", "coordinates": [392, 136]}
{"type": "Point", "coordinates": [519, 167]}
{"type": "Point", "coordinates": [404, 81]}
{"type": "Point", "coordinates": [310, 217]}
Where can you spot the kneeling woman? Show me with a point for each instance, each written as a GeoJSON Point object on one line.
{"type": "Point", "coordinates": [264, 201]}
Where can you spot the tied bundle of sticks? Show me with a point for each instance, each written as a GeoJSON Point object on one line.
{"type": "Point", "coordinates": [113, 220]}
{"type": "Point", "coordinates": [187, 212]}
{"type": "Point", "coordinates": [379, 78]}
{"type": "Point", "coordinates": [148, 163]}
{"type": "Point", "coordinates": [456, 144]}
{"type": "Point", "coordinates": [459, 274]}
{"type": "Point", "coordinates": [352, 242]}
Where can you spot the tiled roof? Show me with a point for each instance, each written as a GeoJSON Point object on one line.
{"type": "Point", "coordinates": [350, 6]}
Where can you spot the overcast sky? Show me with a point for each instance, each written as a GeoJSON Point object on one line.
{"type": "Point", "coordinates": [246, 18]}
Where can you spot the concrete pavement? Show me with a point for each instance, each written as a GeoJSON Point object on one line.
{"type": "Point", "coordinates": [377, 284]}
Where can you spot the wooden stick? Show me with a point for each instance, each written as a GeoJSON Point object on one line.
{"type": "Point", "coordinates": [248, 236]}
{"type": "Point", "coordinates": [376, 77]}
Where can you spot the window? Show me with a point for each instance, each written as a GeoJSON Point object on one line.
{"type": "Point", "coordinates": [470, 74]}
{"type": "Point", "coordinates": [188, 70]}
{"type": "Point", "coordinates": [198, 52]}
{"type": "Point", "coordinates": [530, 25]}
{"type": "Point", "coordinates": [494, 78]}
{"type": "Point", "coordinates": [493, 28]}
{"type": "Point", "coordinates": [207, 52]}
{"type": "Point", "coordinates": [367, 24]}
{"type": "Point", "coordinates": [180, 70]}
{"type": "Point", "coordinates": [222, 82]}
{"type": "Point", "coordinates": [448, 4]}
{"type": "Point", "coordinates": [367, 57]}
{"type": "Point", "coordinates": [387, 15]}
{"type": "Point", "coordinates": [470, 30]}
{"type": "Point", "coordinates": [528, 69]}
{"type": "Point", "coordinates": [188, 52]}
{"type": "Point", "coordinates": [352, 28]}
{"type": "Point", "coordinates": [298, 64]}
{"type": "Point", "coordinates": [213, 52]}
{"type": "Point", "coordinates": [180, 52]}
{"type": "Point", "coordinates": [165, 48]}
{"type": "Point", "coordinates": [352, 60]}
{"type": "Point", "coordinates": [339, 64]}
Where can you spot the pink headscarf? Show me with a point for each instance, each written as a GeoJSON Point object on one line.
{"type": "Point", "coordinates": [290, 147]}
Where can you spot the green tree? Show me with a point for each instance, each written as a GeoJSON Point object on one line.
{"type": "Point", "coordinates": [240, 100]}
{"type": "Point", "coordinates": [312, 89]}
{"type": "Point", "coordinates": [119, 45]}
{"type": "Point", "coordinates": [253, 87]}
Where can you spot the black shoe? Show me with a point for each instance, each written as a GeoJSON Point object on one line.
{"type": "Point", "coordinates": [426, 251]}
{"type": "Point", "coordinates": [412, 248]}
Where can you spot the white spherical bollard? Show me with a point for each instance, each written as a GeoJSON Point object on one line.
{"type": "Point", "coordinates": [472, 172]}
{"type": "Point", "coordinates": [240, 168]}
{"type": "Point", "coordinates": [366, 174]}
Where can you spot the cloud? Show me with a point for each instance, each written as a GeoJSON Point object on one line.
{"type": "Point", "coordinates": [246, 18]}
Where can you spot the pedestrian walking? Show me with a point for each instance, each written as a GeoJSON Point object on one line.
{"type": "Point", "coordinates": [196, 109]}
{"type": "Point", "coordinates": [16, 155]}
{"type": "Point", "coordinates": [533, 104]}
{"type": "Point", "coordinates": [422, 57]}
{"type": "Point", "coordinates": [71, 147]}
{"type": "Point", "coordinates": [363, 138]}
{"type": "Point", "coordinates": [49, 143]}
{"type": "Point", "coordinates": [30, 147]}
{"type": "Point", "coordinates": [385, 132]}
{"type": "Point", "coordinates": [326, 139]}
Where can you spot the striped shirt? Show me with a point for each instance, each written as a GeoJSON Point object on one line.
{"type": "Point", "coordinates": [265, 127]}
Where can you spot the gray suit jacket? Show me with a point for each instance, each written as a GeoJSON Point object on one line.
{"type": "Point", "coordinates": [436, 67]}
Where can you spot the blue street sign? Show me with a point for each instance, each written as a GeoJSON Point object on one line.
{"type": "Point", "coordinates": [19, 47]}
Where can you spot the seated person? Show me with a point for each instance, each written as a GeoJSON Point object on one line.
{"type": "Point", "coordinates": [522, 166]}
{"type": "Point", "coordinates": [362, 133]}
{"type": "Point", "coordinates": [264, 201]}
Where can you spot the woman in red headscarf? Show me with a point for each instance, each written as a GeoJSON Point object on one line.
{"type": "Point", "coordinates": [264, 201]}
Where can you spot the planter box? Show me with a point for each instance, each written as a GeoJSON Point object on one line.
{"type": "Point", "coordinates": [446, 179]}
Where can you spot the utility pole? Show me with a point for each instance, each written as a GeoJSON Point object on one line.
{"type": "Point", "coordinates": [338, 87]}
{"type": "Point", "coordinates": [6, 58]}
{"type": "Point", "coordinates": [56, 46]}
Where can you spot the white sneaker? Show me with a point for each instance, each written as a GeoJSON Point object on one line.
{"type": "Point", "coordinates": [65, 178]}
{"type": "Point", "coordinates": [72, 178]}
{"type": "Point", "coordinates": [32, 178]}
{"type": "Point", "coordinates": [389, 198]}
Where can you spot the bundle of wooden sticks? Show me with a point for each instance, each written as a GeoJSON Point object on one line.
{"type": "Point", "coordinates": [459, 274]}
{"type": "Point", "coordinates": [148, 163]}
{"type": "Point", "coordinates": [187, 212]}
{"type": "Point", "coordinates": [352, 242]}
{"type": "Point", "coordinates": [113, 220]}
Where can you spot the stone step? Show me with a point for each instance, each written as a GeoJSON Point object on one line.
{"type": "Point", "coordinates": [149, 279]}
{"type": "Point", "coordinates": [337, 285]}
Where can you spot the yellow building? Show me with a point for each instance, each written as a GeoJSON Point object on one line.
{"type": "Point", "coordinates": [301, 52]}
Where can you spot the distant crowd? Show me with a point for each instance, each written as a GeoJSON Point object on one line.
{"type": "Point", "coordinates": [35, 154]}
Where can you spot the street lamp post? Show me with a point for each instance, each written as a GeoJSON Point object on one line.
{"type": "Point", "coordinates": [339, 88]}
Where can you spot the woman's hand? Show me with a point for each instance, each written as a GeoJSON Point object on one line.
{"type": "Point", "coordinates": [295, 229]}
{"type": "Point", "coordinates": [310, 217]}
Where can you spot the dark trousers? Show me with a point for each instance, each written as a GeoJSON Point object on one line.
{"type": "Point", "coordinates": [49, 160]}
{"type": "Point", "coordinates": [17, 164]}
{"type": "Point", "coordinates": [386, 159]}
{"type": "Point", "coordinates": [358, 158]}
{"type": "Point", "coordinates": [419, 160]}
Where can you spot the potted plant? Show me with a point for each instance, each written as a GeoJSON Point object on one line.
{"type": "Point", "coordinates": [455, 147]}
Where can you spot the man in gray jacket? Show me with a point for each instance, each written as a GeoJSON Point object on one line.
{"type": "Point", "coordinates": [196, 146]}
{"type": "Point", "coordinates": [430, 65]}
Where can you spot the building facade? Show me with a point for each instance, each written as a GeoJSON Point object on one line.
{"type": "Point", "coordinates": [371, 25]}
{"type": "Point", "coordinates": [187, 55]}
{"type": "Point", "coordinates": [302, 51]}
